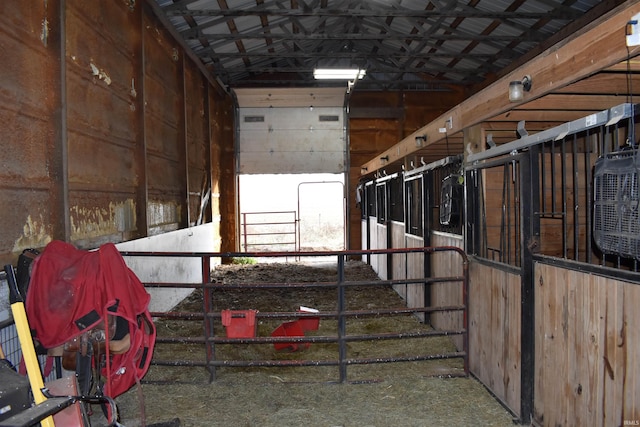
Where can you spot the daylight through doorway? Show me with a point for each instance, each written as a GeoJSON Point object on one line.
{"type": "Point", "coordinates": [298, 212]}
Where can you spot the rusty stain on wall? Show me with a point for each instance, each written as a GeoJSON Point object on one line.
{"type": "Point", "coordinates": [34, 235]}
{"type": "Point", "coordinates": [100, 221]}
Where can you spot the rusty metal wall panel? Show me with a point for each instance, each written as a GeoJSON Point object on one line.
{"type": "Point", "coordinates": [28, 105]}
{"type": "Point", "coordinates": [164, 129]}
{"type": "Point", "coordinates": [106, 128]}
{"type": "Point", "coordinates": [101, 121]}
{"type": "Point", "coordinates": [197, 141]}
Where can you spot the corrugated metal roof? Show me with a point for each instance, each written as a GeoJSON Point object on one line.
{"type": "Point", "coordinates": [401, 43]}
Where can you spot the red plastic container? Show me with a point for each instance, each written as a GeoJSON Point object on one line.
{"type": "Point", "coordinates": [240, 323]}
{"type": "Point", "coordinates": [289, 329]}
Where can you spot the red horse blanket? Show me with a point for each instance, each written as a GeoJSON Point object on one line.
{"type": "Point", "coordinates": [72, 291]}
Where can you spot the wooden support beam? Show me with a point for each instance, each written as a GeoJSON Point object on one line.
{"type": "Point", "coordinates": [606, 83]}
{"type": "Point", "coordinates": [474, 139]}
{"type": "Point", "coordinates": [601, 45]}
{"type": "Point", "coordinates": [559, 102]}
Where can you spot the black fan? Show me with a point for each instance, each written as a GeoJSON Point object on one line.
{"type": "Point", "coordinates": [451, 200]}
{"type": "Point", "coordinates": [616, 215]}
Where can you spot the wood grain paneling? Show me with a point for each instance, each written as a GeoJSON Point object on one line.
{"type": "Point", "coordinates": [587, 349]}
{"type": "Point", "coordinates": [367, 136]}
{"type": "Point", "coordinates": [447, 293]}
{"type": "Point", "coordinates": [398, 261]}
{"type": "Point", "coordinates": [494, 331]}
{"type": "Point", "coordinates": [373, 236]}
{"type": "Point", "coordinates": [379, 241]}
{"type": "Point", "coordinates": [415, 269]}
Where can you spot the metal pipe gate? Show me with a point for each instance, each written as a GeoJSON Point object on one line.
{"type": "Point", "coordinates": [212, 319]}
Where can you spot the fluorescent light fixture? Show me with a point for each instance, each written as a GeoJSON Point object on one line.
{"type": "Point", "coordinates": [338, 73]}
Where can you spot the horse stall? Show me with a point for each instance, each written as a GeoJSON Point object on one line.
{"type": "Point", "coordinates": [550, 224]}
{"type": "Point", "coordinates": [551, 231]}
{"type": "Point", "coordinates": [400, 209]}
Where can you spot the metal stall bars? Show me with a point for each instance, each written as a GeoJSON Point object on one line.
{"type": "Point", "coordinates": [564, 157]}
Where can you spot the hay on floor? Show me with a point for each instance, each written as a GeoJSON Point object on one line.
{"type": "Point", "coordinates": [399, 394]}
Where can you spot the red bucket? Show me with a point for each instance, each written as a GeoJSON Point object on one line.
{"type": "Point", "coordinates": [239, 323]}
{"type": "Point", "coordinates": [289, 329]}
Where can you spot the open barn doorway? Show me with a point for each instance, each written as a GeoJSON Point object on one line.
{"type": "Point", "coordinates": [292, 212]}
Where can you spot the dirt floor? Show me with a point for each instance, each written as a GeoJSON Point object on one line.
{"type": "Point", "coordinates": [417, 393]}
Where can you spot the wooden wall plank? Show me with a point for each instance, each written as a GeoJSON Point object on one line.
{"type": "Point", "coordinates": [382, 243]}
{"type": "Point", "coordinates": [613, 356]}
{"type": "Point", "coordinates": [448, 293]}
{"type": "Point", "coordinates": [631, 389]}
{"type": "Point", "coordinates": [366, 137]}
{"type": "Point", "coordinates": [373, 235]}
{"type": "Point", "coordinates": [587, 349]}
{"type": "Point", "coordinates": [593, 297]}
{"type": "Point", "coordinates": [539, 337]}
{"type": "Point", "coordinates": [494, 325]}
{"type": "Point", "coordinates": [496, 322]}
{"type": "Point", "coordinates": [512, 357]}
{"type": "Point", "coordinates": [415, 269]}
{"type": "Point", "coordinates": [398, 261]}
{"type": "Point", "coordinates": [363, 234]}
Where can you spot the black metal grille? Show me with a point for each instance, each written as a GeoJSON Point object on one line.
{"type": "Point", "coordinates": [451, 200]}
{"type": "Point", "coordinates": [616, 204]}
